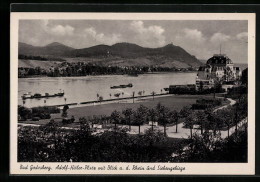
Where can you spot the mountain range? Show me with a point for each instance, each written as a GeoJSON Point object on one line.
{"type": "Point", "coordinates": [120, 54]}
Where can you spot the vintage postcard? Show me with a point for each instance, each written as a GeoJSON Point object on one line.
{"type": "Point", "coordinates": [132, 93]}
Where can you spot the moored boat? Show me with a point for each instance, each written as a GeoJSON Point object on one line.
{"type": "Point", "coordinates": [38, 96]}
{"type": "Point", "coordinates": [122, 86]}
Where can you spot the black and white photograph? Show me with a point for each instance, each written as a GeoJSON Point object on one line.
{"type": "Point", "coordinates": [110, 93]}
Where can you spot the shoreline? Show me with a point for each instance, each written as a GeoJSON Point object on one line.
{"type": "Point", "coordinates": [148, 73]}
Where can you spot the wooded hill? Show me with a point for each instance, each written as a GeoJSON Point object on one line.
{"type": "Point", "coordinates": [120, 54]}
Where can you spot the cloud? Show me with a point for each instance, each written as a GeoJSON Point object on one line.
{"type": "Point", "coordinates": [101, 37]}
{"type": "Point", "coordinates": [193, 41]}
{"type": "Point", "coordinates": [193, 34]}
{"type": "Point", "coordinates": [147, 36]}
{"type": "Point", "coordinates": [219, 37]}
{"type": "Point", "coordinates": [62, 30]}
{"type": "Point", "coordinates": [242, 36]}
{"type": "Point", "coordinates": [59, 30]}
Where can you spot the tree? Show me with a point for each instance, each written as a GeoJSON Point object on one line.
{"type": "Point", "coordinates": [201, 118]}
{"type": "Point", "coordinates": [189, 122]}
{"type": "Point", "coordinates": [152, 113]}
{"type": "Point", "coordinates": [203, 148]}
{"type": "Point", "coordinates": [214, 121]}
{"type": "Point", "coordinates": [227, 117]}
{"type": "Point", "coordinates": [140, 115]}
{"type": "Point", "coordinates": [244, 77]}
{"type": "Point", "coordinates": [115, 116]}
{"type": "Point", "coordinates": [175, 118]}
{"type": "Point", "coordinates": [138, 119]}
{"type": "Point", "coordinates": [236, 116]}
{"type": "Point", "coordinates": [210, 122]}
{"type": "Point", "coordinates": [52, 130]}
{"type": "Point", "coordinates": [133, 97]}
{"type": "Point", "coordinates": [64, 111]}
{"type": "Point", "coordinates": [164, 117]}
{"type": "Point", "coordinates": [100, 99]}
{"type": "Point", "coordinates": [128, 112]}
{"type": "Point", "coordinates": [185, 112]}
{"type": "Point", "coordinates": [140, 93]}
{"type": "Point", "coordinates": [153, 93]}
{"type": "Point", "coordinates": [24, 112]}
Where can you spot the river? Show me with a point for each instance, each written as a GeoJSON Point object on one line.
{"type": "Point", "coordinates": [82, 89]}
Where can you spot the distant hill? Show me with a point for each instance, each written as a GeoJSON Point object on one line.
{"type": "Point", "coordinates": [123, 54]}
{"type": "Point", "coordinates": [53, 49]}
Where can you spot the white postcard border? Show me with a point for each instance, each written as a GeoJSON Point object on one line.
{"type": "Point", "coordinates": [190, 168]}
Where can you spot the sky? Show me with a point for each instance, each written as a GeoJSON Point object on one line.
{"type": "Point", "coordinates": [201, 38]}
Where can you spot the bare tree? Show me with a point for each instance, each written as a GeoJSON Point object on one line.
{"type": "Point", "coordinates": [153, 93]}
{"type": "Point", "coordinates": [133, 96]}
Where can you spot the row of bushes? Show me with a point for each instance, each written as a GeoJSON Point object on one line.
{"type": "Point", "coordinates": [236, 92]}
{"type": "Point", "coordinates": [193, 91]}
{"type": "Point", "coordinates": [36, 113]}
{"type": "Point", "coordinates": [206, 103]}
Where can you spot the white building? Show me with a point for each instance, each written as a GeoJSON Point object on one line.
{"type": "Point", "coordinates": [219, 67]}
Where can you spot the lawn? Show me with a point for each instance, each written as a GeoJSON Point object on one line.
{"type": "Point", "coordinates": [176, 102]}
{"type": "Point", "coordinates": [172, 102]}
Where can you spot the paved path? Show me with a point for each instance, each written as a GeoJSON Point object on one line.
{"type": "Point", "coordinates": [232, 102]}
{"type": "Point", "coordinates": [36, 125]}
{"type": "Point", "coordinates": [183, 132]}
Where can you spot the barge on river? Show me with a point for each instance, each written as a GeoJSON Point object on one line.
{"type": "Point", "coordinates": [39, 96]}
{"type": "Point", "coordinates": [122, 86]}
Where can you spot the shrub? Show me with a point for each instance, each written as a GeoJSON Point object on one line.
{"type": "Point", "coordinates": [206, 103]}
{"type": "Point", "coordinates": [44, 112]}
{"type": "Point", "coordinates": [24, 113]}
{"type": "Point", "coordinates": [36, 118]}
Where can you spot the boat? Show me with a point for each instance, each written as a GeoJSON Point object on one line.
{"type": "Point", "coordinates": [122, 86]}
{"type": "Point", "coordinates": [38, 96]}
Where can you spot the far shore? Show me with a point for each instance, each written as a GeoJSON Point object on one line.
{"type": "Point", "coordinates": [148, 73]}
